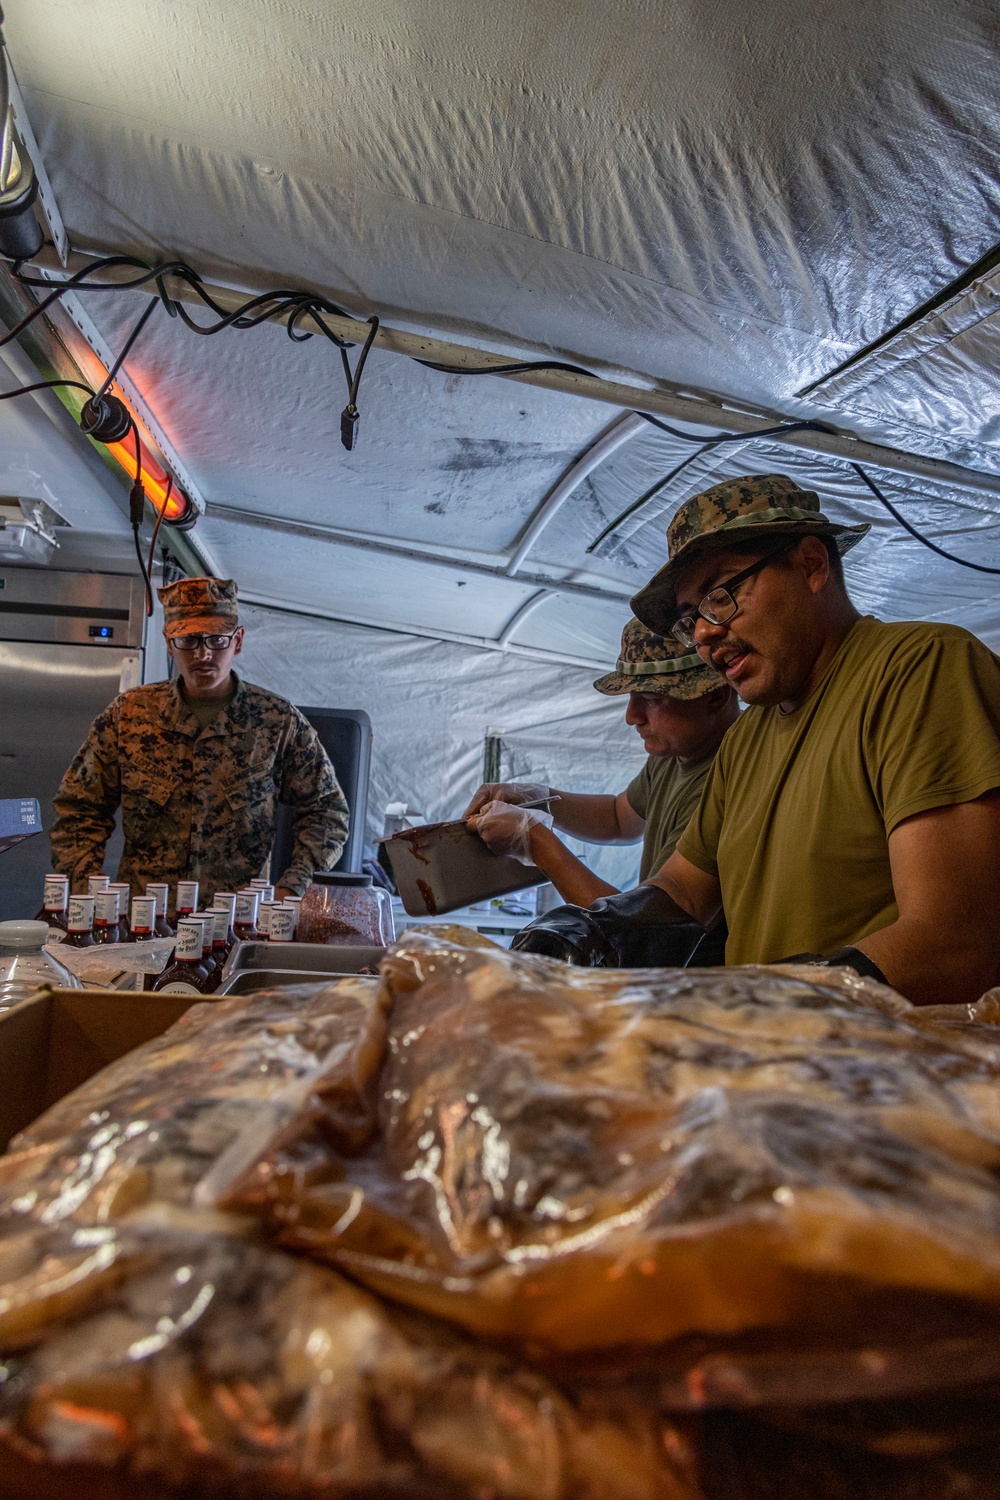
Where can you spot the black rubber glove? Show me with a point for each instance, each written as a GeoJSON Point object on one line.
{"type": "Point", "coordinates": [845, 958]}
{"type": "Point", "coordinates": [630, 930]}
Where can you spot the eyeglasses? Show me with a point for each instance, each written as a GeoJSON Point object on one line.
{"type": "Point", "coordinates": [718, 605]}
{"type": "Point", "coordinates": [210, 642]}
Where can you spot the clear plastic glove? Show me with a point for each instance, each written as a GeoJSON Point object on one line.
{"type": "Point", "coordinates": [513, 792]}
{"type": "Point", "coordinates": [507, 829]}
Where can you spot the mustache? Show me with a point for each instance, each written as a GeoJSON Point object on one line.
{"type": "Point", "coordinates": [734, 646]}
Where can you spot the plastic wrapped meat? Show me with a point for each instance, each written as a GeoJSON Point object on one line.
{"type": "Point", "coordinates": [150, 1346]}
{"type": "Point", "coordinates": [579, 1160]}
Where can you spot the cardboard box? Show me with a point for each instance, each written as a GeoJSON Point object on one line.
{"type": "Point", "coordinates": [59, 1038]}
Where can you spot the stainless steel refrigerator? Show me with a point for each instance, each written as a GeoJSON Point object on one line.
{"type": "Point", "coordinates": [69, 642]}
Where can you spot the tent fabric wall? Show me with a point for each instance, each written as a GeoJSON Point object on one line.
{"type": "Point", "coordinates": [432, 703]}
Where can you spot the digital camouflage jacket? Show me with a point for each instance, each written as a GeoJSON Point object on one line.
{"type": "Point", "coordinates": [198, 804]}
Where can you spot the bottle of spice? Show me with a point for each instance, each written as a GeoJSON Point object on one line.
{"type": "Point", "coordinates": [187, 974]}
{"type": "Point", "coordinates": [106, 917]}
{"type": "Point", "coordinates": [80, 927]}
{"type": "Point", "coordinates": [55, 905]}
{"type": "Point", "coordinates": [160, 890]}
{"type": "Point", "coordinates": [245, 919]}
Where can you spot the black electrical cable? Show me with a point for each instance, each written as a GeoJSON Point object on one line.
{"type": "Point", "coordinates": [147, 314]}
{"type": "Point", "coordinates": [963, 562]}
{"type": "Point", "coordinates": [137, 505]}
{"type": "Point", "coordinates": [44, 385]}
{"type": "Point", "coordinates": [161, 512]}
{"type": "Point", "coordinates": [705, 444]}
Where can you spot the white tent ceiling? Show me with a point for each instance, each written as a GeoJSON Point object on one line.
{"type": "Point", "coordinates": [727, 199]}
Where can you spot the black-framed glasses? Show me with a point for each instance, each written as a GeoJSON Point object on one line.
{"type": "Point", "coordinates": [718, 605]}
{"type": "Point", "coordinates": [210, 642]}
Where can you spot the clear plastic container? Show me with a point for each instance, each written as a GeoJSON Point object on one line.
{"type": "Point", "coordinates": [340, 907]}
{"type": "Point", "coordinates": [24, 964]}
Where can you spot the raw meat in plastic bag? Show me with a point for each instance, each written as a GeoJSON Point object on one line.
{"type": "Point", "coordinates": [149, 1346]}
{"type": "Point", "coordinates": [580, 1160]}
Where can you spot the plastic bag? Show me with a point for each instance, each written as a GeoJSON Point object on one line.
{"type": "Point", "coordinates": [151, 1346]}
{"type": "Point", "coordinates": [580, 1160]}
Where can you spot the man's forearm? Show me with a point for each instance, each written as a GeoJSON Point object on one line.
{"type": "Point", "coordinates": [591, 818]}
{"type": "Point", "coordinates": [929, 966]}
{"type": "Point", "coordinates": [569, 875]}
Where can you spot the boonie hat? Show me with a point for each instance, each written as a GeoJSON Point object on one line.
{"type": "Point", "coordinates": [758, 504]}
{"type": "Point", "coordinates": [199, 606]}
{"type": "Point", "coordinates": [649, 664]}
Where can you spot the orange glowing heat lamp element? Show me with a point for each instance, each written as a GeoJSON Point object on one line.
{"type": "Point", "coordinates": [155, 483]}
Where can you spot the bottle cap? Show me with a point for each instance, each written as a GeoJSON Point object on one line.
{"type": "Point", "coordinates": [143, 913]}
{"type": "Point", "coordinates": [106, 907]}
{"type": "Point", "coordinates": [160, 890]}
{"type": "Point", "coordinates": [189, 944]}
{"type": "Point", "coordinates": [56, 895]}
{"type": "Point", "coordinates": [226, 899]}
{"type": "Point", "coordinates": [23, 934]}
{"type": "Point", "coordinates": [246, 908]}
{"type": "Point", "coordinates": [96, 884]}
{"type": "Point", "coordinates": [220, 918]}
{"type": "Point", "coordinates": [282, 929]}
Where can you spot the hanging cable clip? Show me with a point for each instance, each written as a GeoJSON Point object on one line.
{"type": "Point", "coordinates": [350, 420]}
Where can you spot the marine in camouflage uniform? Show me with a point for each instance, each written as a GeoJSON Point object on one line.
{"type": "Point", "coordinates": [198, 802]}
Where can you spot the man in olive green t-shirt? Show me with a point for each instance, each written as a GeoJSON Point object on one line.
{"type": "Point", "coordinates": [682, 710]}
{"type": "Point", "coordinates": [852, 815]}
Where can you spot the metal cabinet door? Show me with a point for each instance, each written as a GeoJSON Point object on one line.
{"type": "Point", "coordinates": [48, 696]}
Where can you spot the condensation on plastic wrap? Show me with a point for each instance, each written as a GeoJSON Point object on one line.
{"type": "Point", "coordinates": [583, 1160]}
{"type": "Point", "coordinates": [151, 1345]}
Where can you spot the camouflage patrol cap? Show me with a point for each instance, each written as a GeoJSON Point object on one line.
{"type": "Point", "coordinates": [649, 664]}
{"type": "Point", "coordinates": [199, 606]}
{"type": "Point", "coordinates": [757, 505]}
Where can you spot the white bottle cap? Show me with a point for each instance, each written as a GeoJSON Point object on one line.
{"type": "Point", "coordinates": [96, 884]}
{"type": "Point", "coordinates": [18, 934]}
{"type": "Point", "coordinates": [56, 896]}
{"type": "Point", "coordinates": [226, 899]}
{"type": "Point", "coordinates": [282, 929]}
{"type": "Point", "coordinates": [246, 908]}
{"type": "Point", "coordinates": [81, 913]}
{"type": "Point", "coordinates": [220, 918]}
{"type": "Point", "coordinates": [143, 913]}
{"type": "Point", "coordinates": [106, 908]}
{"type": "Point", "coordinates": [160, 889]}
{"type": "Point", "coordinates": [189, 943]}
{"type": "Point", "coordinates": [187, 895]}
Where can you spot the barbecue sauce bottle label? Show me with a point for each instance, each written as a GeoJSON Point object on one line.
{"type": "Point", "coordinates": [106, 917]}
{"type": "Point", "coordinates": [185, 976]}
{"type": "Point", "coordinates": [245, 924]}
{"type": "Point", "coordinates": [80, 928]}
{"type": "Point", "coordinates": [55, 906]}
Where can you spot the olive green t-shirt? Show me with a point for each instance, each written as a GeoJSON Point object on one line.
{"type": "Point", "coordinates": [796, 815]}
{"type": "Point", "coordinates": [666, 794]}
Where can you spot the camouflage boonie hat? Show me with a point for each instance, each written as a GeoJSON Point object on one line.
{"type": "Point", "coordinates": [649, 664]}
{"type": "Point", "coordinates": [199, 606]}
{"type": "Point", "coordinates": [758, 504]}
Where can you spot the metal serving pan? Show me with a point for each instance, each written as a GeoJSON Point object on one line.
{"type": "Point", "coordinates": [313, 958]}
{"type": "Point", "coordinates": [249, 981]}
{"type": "Point", "coordinates": [442, 866]}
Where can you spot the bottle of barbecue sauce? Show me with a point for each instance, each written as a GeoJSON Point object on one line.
{"type": "Point", "coordinates": [186, 975]}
